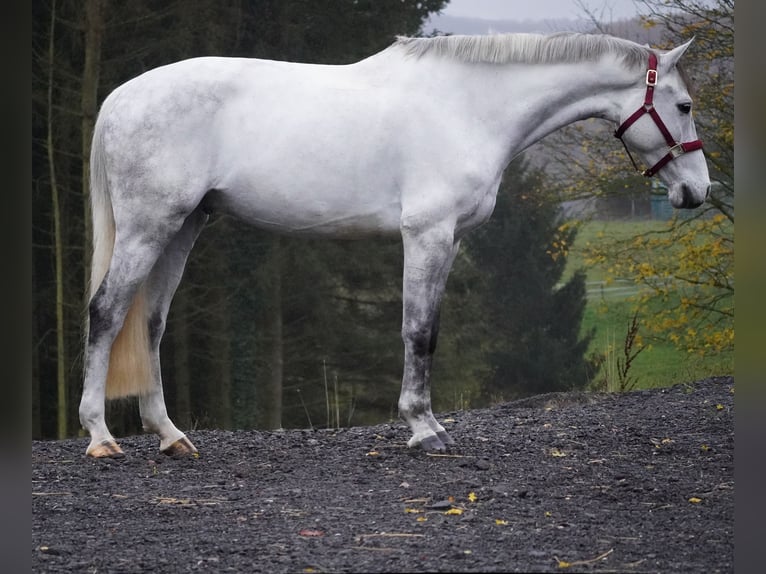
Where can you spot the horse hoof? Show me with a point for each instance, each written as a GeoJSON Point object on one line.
{"type": "Point", "coordinates": [445, 438]}
{"type": "Point", "coordinates": [432, 444]}
{"type": "Point", "coordinates": [183, 447]}
{"type": "Point", "coordinates": [105, 449]}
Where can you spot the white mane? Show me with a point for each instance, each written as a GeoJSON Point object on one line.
{"type": "Point", "coordinates": [526, 48]}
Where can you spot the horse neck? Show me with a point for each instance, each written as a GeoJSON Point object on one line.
{"type": "Point", "coordinates": [521, 104]}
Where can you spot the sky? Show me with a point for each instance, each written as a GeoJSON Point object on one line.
{"type": "Point", "coordinates": [606, 10]}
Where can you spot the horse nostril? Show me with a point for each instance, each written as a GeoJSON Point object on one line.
{"type": "Point", "coordinates": [688, 199]}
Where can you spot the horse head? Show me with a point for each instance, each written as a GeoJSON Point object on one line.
{"type": "Point", "coordinates": [658, 125]}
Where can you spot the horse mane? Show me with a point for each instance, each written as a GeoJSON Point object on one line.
{"type": "Point", "coordinates": [561, 47]}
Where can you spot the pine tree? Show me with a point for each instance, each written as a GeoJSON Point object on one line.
{"type": "Point", "coordinates": [532, 323]}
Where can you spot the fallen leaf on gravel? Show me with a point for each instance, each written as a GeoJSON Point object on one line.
{"type": "Point", "coordinates": [719, 406]}
{"type": "Point", "coordinates": [556, 452]}
{"type": "Point", "coordinates": [412, 510]}
{"type": "Point", "coordinates": [472, 497]}
{"type": "Point", "coordinates": [501, 522]}
{"type": "Point", "coordinates": [373, 453]}
{"type": "Point", "coordinates": [565, 564]}
{"type": "Point", "coordinates": [454, 511]}
{"type": "Point", "coordinates": [695, 500]}
{"type": "Point", "coordinates": [705, 447]}
{"type": "Point", "coordinates": [450, 420]}
{"type": "Point", "coordinates": [421, 518]}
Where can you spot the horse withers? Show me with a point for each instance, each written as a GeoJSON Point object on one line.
{"type": "Point", "coordinates": [411, 142]}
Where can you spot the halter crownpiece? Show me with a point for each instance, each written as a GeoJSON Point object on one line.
{"type": "Point", "coordinates": [675, 148]}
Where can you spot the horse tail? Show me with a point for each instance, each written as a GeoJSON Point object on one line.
{"type": "Point", "coordinates": [130, 371]}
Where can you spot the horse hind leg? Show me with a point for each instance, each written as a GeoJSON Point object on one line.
{"type": "Point", "coordinates": [161, 286]}
{"type": "Point", "coordinates": [118, 307]}
{"type": "Point", "coordinates": [118, 296]}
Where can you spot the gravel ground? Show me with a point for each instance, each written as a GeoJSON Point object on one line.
{"type": "Point", "coordinates": [635, 482]}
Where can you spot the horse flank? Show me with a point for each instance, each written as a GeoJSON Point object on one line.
{"type": "Point", "coordinates": [130, 360]}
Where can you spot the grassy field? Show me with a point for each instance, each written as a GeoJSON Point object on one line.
{"type": "Point", "coordinates": [610, 309]}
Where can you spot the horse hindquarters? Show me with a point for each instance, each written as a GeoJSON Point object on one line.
{"type": "Point", "coordinates": [126, 245]}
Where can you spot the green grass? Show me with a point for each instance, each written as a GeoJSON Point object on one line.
{"type": "Point", "coordinates": [610, 311]}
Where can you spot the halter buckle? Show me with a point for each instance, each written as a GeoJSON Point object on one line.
{"type": "Point", "coordinates": [651, 78]}
{"type": "Point", "coordinates": [677, 150]}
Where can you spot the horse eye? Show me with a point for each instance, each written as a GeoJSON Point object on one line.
{"type": "Point", "coordinates": [684, 108]}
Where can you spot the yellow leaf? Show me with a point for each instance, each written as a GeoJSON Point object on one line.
{"type": "Point", "coordinates": [563, 563]}
{"type": "Point", "coordinates": [412, 510]}
{"type": "Point", "coordinates": [421, 518]}
{"type": "Point", "coordinates": [454, 511]}
{"type": "Point", "coordinates": [695, 500]}
{"type": "Point", "coordinates": [548, 514]}
{"type": "Point", "coordinates": [373, 453]}
{"type": "Point", "coordinates": [500, 522]}
{"type": "Point", "coordinates": [472, 496]}
{"type": "Point", "coordinates": [705, 447]}
{"type": "Point", "coordinates": [557, 453]}
{"type": "Point", "coordinates": [719, 407]}
{"type": "Point", "coordinates": [450, 420]}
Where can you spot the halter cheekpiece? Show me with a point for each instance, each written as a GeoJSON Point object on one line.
{"type": "Point", "coordinates": [675, 148]}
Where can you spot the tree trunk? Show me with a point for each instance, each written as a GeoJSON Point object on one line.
{"type": "Point", "coordinates": [58, 247]}
{"type": "Point", "coordinates": [36, 415]}
{"type": "Point", "coordinates": [273, 394]}
{"type": "Point", "coordinates": [89, 109]}
{"type": "Point", "coordinates": [182, 373]}
{"type": "Point", "coordinates": [220, 386]}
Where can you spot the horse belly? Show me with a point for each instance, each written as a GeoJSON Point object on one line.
{"type": "Point", "coordinates": [293, 212]}
{"type": "Point", "coordinates": [327, 171]}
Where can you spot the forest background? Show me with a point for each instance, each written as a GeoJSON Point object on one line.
{"type": "Point", "coordinates": [582, 278]}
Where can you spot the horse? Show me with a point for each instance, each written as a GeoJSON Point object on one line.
{"type": "Point", "coordinates": [410, 142]}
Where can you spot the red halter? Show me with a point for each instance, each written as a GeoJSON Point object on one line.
{"type": "Point", "coordinates": [676, 148]}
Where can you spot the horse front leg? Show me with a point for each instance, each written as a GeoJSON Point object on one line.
{"type": "Point", "coordinates": [428, 257]}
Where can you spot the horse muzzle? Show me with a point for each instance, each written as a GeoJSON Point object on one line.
{"type": "Point", "coordinates": [688, 196]}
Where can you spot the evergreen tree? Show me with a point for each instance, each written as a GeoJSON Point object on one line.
{"type": "Point", "coordinates": [532, 322]}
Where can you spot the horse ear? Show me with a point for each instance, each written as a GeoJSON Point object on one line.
{"type": "Point", "coordinates": [671, 57]}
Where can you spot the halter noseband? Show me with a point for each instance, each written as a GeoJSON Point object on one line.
{"type": "Point", "coordinates": [676, 148]}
